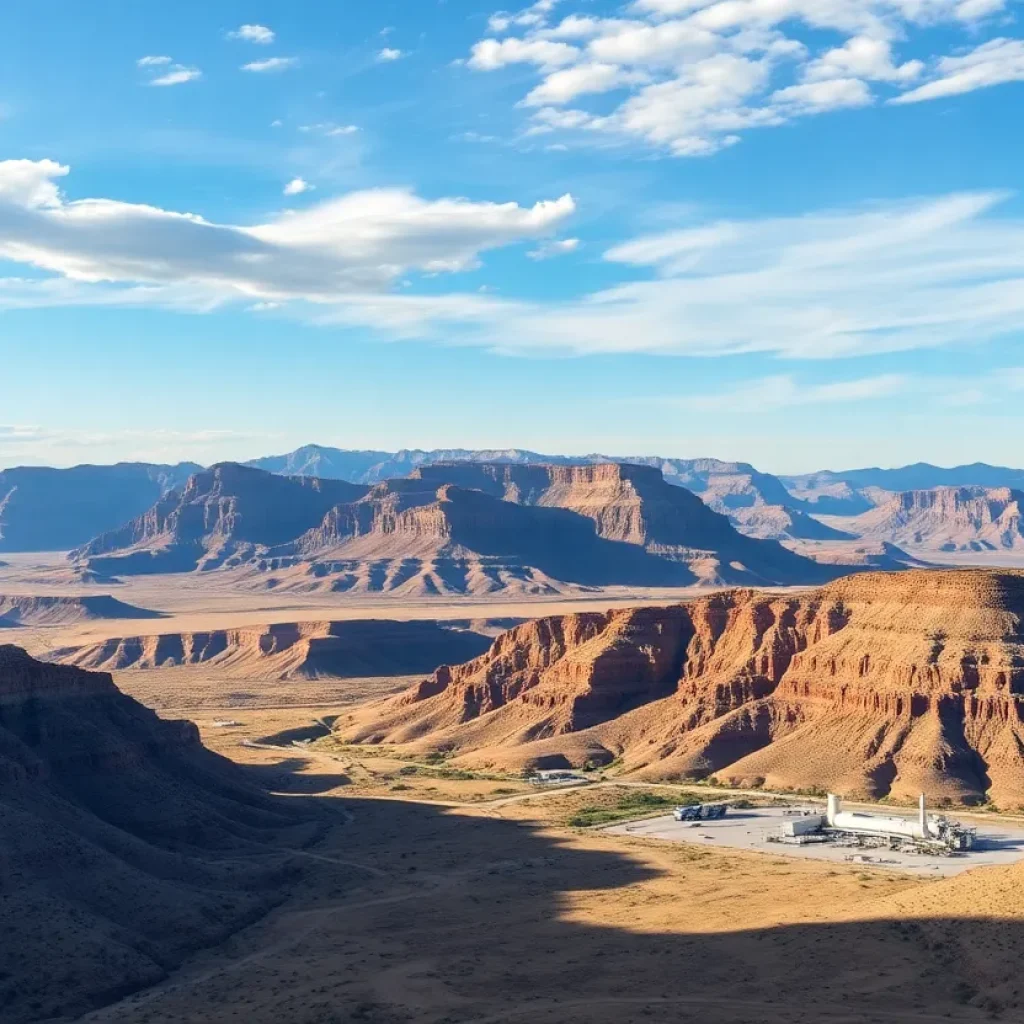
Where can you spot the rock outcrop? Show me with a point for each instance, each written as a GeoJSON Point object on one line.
{"type": "Point", "coordinates": [123, 842]}
{"type": "Point", "coordinates": [50, 610]}
{"type": "Point", "coordinates": [876, 685]}
{"type": "Point", "coordinates": [948, 519]}
{"type": "Point", "coordinates": [450, 528]}
{"type": "Point", "coordinates": [222, 516]}
{"type": "Point", "coordinates": [352, 648]}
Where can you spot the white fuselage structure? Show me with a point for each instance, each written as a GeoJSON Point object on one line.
{"type": "Point", "coordinates": [921, 828]}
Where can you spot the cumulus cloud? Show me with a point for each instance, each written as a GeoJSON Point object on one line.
{"type": "Point", "coordinates": [271, 64]}
{"type": "Point", "coordinates": [698, 74]}
{"type": "Point", "coordinates": [862, 57]}
{"type": "Point", "coordinates": [831, 94]}
{"type": "Point", "coordinates": [259, 34]}
{"type": "Point", "coordinates": [389, 53]}
{"type": "Point", "coordinates": [490, 54]}
{"type": "Point", "coordinates": [297, 186]}
{"type": "Point", "coordinates": [362, 241]}
{"type": "Point", "coordinates": [562, 86]}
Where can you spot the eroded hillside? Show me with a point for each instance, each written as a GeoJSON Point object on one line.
{"type": "Point", "coordinates": [878, 685]}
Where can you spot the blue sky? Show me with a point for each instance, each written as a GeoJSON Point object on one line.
{"type": "Point", "coordinates": [785, 231]}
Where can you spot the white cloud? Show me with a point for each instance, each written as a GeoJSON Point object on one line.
{"type": "Point", "coordinates": [831, 94]}
{"type": "Point", "coordinates": [389, 53]}
{"type": "Point", "coordinates": [862, 57]}
{"type": "Point", "coordinates": [31, 183]}
{"type": "Point", "coordinates": [563, 86]}
{"type": "Point", "coordinates": [993, 63]}
{"type": "Point", "coordinates": [271, 64]}
{"type": "Point", "coordinates": [555, 247]}
{"type": "Point", "coordinates": [329, 129]}
{"type": "Point", "coordinates": [360, 242]}
{"type": "Point", "coordinates": [177, 75]}
{"type": "Point", "coordinates": [297, 186]}
{"type": "Point", "coordinates": [21, 434]}
{"type": "Point", "coordinates": [887, 277]}
{"type": "Point", "coordinates": [700, 73]}
{"type": "Point", "coordinates": [163, 71]}
{"type": "Point", "coordinates": [891, 277]}
{"type": "Point", "coordinates": [783, 391]}
{"type": "Point", "coordinates": [259, 34]}
{"type": "Point", "coordinates": [490, 54]}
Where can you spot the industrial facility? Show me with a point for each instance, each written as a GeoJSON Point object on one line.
{"type": "Point", "coordinates": [927, 833]}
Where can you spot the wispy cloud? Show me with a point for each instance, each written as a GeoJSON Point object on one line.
{"type": "Point", "coordinates": [163, 71]}
{"type": "Point", "coordinates": [555, 247]}
{"type": "Point", "coordinates": [271, 65]}
{"type": "Point", "coordinates": [783, 391]}
{"type": "Point", "coordinates": [883, 277]}
{"type": "Point", "coordinates": [994, 63]}
{"type": "Point", "coordinates": [329, 129]}
{"type": "Point", "coordinates": [359, 242]}
{"type": "Point", "coordinates": [389, 53]}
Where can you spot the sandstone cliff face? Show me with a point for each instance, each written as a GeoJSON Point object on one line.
{"type": "Point", "coordinates": [460, 527]}
{"type": "Point", "coordinates": [122, 841]}
{"type": "Point", "coordinates": [874, 685]}
{"type": "Point", "coordinates": [948, 519]}
{"type": "Point", "coordinates": [223, 513]}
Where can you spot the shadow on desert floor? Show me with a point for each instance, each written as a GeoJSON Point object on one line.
{"type": "Point", "coordinates": [416, 914]}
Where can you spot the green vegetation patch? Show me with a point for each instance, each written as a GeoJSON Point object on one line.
{"type": "Point", "coordinates": [632, 804]}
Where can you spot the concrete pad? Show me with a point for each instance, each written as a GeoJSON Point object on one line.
{"type": "Point", "coordinates": [749, 830]}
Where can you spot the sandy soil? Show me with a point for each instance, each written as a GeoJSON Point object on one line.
{"type": "Point", "coordinates": [194, 602]}
{"type": "Point", "coordinates": [485, 913]}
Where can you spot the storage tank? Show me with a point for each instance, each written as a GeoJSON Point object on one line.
{"type": "Point", "coordinates": [803, 826]}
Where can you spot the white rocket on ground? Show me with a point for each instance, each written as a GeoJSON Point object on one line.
{"type": "Point", "coordinates": [921, 828]}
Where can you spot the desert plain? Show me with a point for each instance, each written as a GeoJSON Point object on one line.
{"type": "Point", "coordinates": [438, 895]}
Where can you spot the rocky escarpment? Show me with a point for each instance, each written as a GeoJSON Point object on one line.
{"type": "Point", "coordinates": [223, 515]}
{"type": "Point", "coordinates": [948, 519]}
{"type": "Point", "coordinates": [123, 841]}
{"type": "Point", "coordinates": [874, 685]}
{"type": "Point", "coordinates": [51, 610]}
{"type": "Point", "coordinates": [289, 650]}
{"type": "Point", "coordinates": [450, 528]}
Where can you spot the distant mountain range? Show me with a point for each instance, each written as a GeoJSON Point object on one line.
{"type": "Point", "coordinates": [58, 509]}
{"type": "Point", "coordinates": [44, 509]}
{"type": "Point", "coordinates": [460, 527]}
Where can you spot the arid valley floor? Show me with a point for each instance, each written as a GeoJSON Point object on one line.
{"type": "Point", "coordinates": [445, 896]}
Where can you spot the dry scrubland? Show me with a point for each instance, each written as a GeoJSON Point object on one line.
{"type": "Point", "coordinates": [478, 912]}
